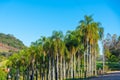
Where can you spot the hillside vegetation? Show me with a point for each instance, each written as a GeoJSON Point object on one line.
{"type": "Point", "coordinates": [9, 44]}
{"type": "Point", "coordinates": [10, 40]}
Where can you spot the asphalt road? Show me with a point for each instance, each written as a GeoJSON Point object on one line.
{"type": "Point", "coordinates": [110, 76]}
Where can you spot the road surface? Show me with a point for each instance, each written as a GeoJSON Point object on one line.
{"type": "Point", "coordinates": [110, 76]}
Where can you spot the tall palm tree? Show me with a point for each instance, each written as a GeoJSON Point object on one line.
{"type": "Point", "coordinates": [32, 54]}
{"type": "Point", "coordinates": [57, 37]}
{"type": "Point", "coordinates": [72, 43]}
{"type": "Point", "coordinates": [42, 55]}
{"type": "Point", "coordinates": [46, 47]}
{"type": "Point", "coordinates": [91, 33]}
{"type": "Point", "coordinates": [84, 30]}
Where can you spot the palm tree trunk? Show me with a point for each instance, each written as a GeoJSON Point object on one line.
{"type": "Point", "coordinates": [78, 67]}
{"type": "Point", "coordinates": [27, 74]}
{"type": "Point", "coordinates": [32, 76]}
{"type": "Point", "coordinates": [61, 77]}
{"type": "Point", "coordinates": [49, 73]}
{"type": "Point", "coordinates": [40, 73]}
{"type": "Point", "coordinates": [72, 66]}
{"type": "Point", "coordinates": [90, 61]}
{"type": "Point", "coordinates": [57, 68]}
{"type": "Point", "coordinates": [85, 65]}
{"type": "Point", "coordinates": [92, 65]}
{"type": "Point", "coordinates": [36, 74]}
{"type": "Point", "coordinates": [64, 69]}
{"type": "Point", "coordinates": [67, 69]}
{"type": "Point", "coordinates": [95, 63]}
{"type": "Point", "coordinates": [87, 59]}
{"type": "Point", "coordinates": [53, 70]}
{"type": "Point", "coordinates": [90, 71]}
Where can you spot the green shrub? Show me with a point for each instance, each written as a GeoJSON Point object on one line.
{"type": "Point", "coordinates": [114, 66]}
{"type": "Point", "coordinates": [99, 66]}
{"type": "Point", "coordinates": [3, 75]}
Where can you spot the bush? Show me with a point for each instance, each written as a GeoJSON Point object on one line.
{"type": "Point", "coordinates": [3, 75]}
{"type": "Point", "coordinates": [99, 66]}
{"type": "Point", "coordinates": [114, 66]}
{"type": "Point", "coordinates": [106, 68]}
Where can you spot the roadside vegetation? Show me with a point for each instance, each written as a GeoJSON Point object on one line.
{"type": "Point", "coordinates": [111, 46]}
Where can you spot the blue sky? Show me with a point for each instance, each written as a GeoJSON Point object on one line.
{"type": "Point", "coordinates": [29, 19]}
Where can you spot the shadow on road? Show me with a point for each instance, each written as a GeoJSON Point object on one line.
{"type": "Point", "coordinates": [110, 76]}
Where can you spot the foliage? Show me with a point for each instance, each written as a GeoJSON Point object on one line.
{"type": "Point", "coordinates": [112, 48]}
{"type": "Point", "coordinates": [99, 65]}
{"type": "Point", "coordinates": [2, 75]}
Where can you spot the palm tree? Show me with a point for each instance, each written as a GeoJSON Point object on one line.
{"type": "Point", "coordinates": [47, 47]}
{"type": "Point", "coordinates": [32, 54]}
{"type": "Point", "coordinates": [72, 43]}
{"type": "Point", "coordinates": [92, 33]}
{"type": "Point", "coordinates": [57, 38]}
{"type": "Point", "coordinates": [84, 30]}
{"type": "Point", "coordinates": [43, 55]}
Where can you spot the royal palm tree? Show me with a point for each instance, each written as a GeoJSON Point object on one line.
{"type": "Point", "coordinates": [92, 33]}
{"type": "Point", "coordinates": [57, 37]}
{"type": "Point", "coordinates": [72, 43]}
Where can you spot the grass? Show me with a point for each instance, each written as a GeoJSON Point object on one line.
{"type": "Point", "coordinates": [82, 78]}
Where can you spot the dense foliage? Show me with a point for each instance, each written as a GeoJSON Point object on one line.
{"type": "Point", "coordinates": [3, 75]}
{"type": "Point", "coordinates": [8, 45]}
{"type": "Point", "coordinates": [112, 51]}
{"type": "Point", "coordinates": [112, 48]}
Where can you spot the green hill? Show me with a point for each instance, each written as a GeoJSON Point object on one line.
{"type": "Point", "coordinates": [10, 40]}
{"type": "Point", "coordinates": [9, 44]}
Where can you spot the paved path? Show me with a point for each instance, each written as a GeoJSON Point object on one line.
{"type": "Point", "coordinates": [110, 76]}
